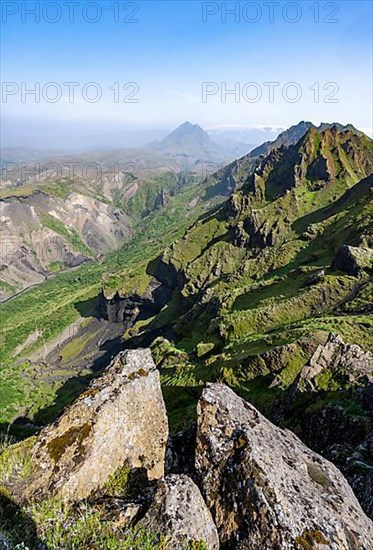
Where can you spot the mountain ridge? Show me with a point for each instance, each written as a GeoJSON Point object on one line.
{"type": "Point", "coordinates": [256, 288]}
{"type": "Point", "coordinates": [232, 176]}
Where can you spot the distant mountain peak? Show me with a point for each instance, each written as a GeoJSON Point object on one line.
{"type": "Point", "coordinates": [186, 127]}
{"type": "Point", "coordinates": [188, 124]}
{"type": "Point", "coordinates": [191, 140]}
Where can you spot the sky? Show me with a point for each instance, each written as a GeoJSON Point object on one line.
{"type": "Point", "coordinates": [155, 64]}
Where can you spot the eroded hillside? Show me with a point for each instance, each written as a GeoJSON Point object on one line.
{"type": "Point", "coordinates": [60, 212]}
{"type": "Point", "coordinates": [252, 295]}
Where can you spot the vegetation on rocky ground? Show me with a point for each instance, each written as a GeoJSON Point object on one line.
{"type": "Point", "coordinates": [240, 274]}
{"type": "Point", "coordinates": [52, 306]}
{"type": "Point", "coordinates": [55, 524]}
{"type": "Point", "coordinates": [254, 290]}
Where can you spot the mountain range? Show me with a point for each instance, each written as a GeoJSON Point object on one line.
{"type": "Point", "coordinates": [80, 138]}
{"type": "Point", "coordinates": [271, 277]}
{"type": "Point", "coordinates": [251, 289]}
{"type": "Point", "coordinates": [53, 220]}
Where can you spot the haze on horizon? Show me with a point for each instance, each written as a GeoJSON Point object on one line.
{"type": "Point", "coordinates": [240, 70]}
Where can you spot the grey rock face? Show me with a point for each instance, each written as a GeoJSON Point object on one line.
{"type": "Point", "coordinates": [354, 259]}
{"type": "Point", "coordinates": [347, 360]}
{"type": "Point", "coordinates": [41, 230]}
{"type": "Point", "coordinates": [345, 439]}
{"type": "Point", "coordinates": [179, 512]}
{"type": "Point", "coordinates": [265, 488]}
{"type": "Point", "coordinates": [120, 421]}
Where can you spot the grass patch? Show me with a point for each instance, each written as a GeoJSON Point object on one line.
{"type": "Point", "coordinates": [117, 484]}
{"type": "Point", "coordinates": [15, 458]}
{"type": "Point", "coordinates": [55, 304]}
{"type": "Point", "coordinates": [64, 526]}
{"type": "Point", "coordinates": [55, 267]}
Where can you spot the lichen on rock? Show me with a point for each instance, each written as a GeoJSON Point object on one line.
{"type": "Point", "coordinates": [119, 421]}
{"type": "Point", "coordinates": [339, 358]}
{"type": "Point", "coordinates": [265, 488]}
{"type": "Point", "coordinates": [179, 513]}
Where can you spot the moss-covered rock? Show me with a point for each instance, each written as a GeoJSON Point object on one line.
{"type": "Point", "coordinates": [119, 422]}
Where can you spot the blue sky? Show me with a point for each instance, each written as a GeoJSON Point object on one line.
{"type": "Point", "coordinates": [170, 52]}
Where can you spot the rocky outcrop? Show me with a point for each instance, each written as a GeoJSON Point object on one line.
{"type": "Point", "coordinates": [234, 481]}
{"type": "Point", "coordinates": [341, 429]}
{"type": "Point", "coordinates": [230, 178]}
{"type": "Point", "coordinates": [265, 488]}
{"type": "Point", "coordinates": [314, 278]}
{"type": "Point", "coordinates": [345, 360]}
{"type": "Point", "coordinates": [120, 421]}
{"type": "Point", "coordinates": [162, 199]}
{"type": "Point", "coordinates": [179, 513]}
{"type": "Point", "coordinates": [128, 308]}
{"type": "Point", "coordinates": [354, 259]}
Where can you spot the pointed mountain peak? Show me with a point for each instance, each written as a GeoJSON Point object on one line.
{"type": "Point", "coordinates": [188, 124]}
{"type": "Point", "coordinates": [187, 128]}
{"type": "Point", "coordinates": [190, 139]}
{"type": "Point", "coordinates": [288, 137]}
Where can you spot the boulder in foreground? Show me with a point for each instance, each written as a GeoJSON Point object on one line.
{"type": "Point", "coordinates": [179, 512]}
{"type": "Point", "coordinates": [265, 488]}
{"type": "Point", "coordinates": [119, 422]}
